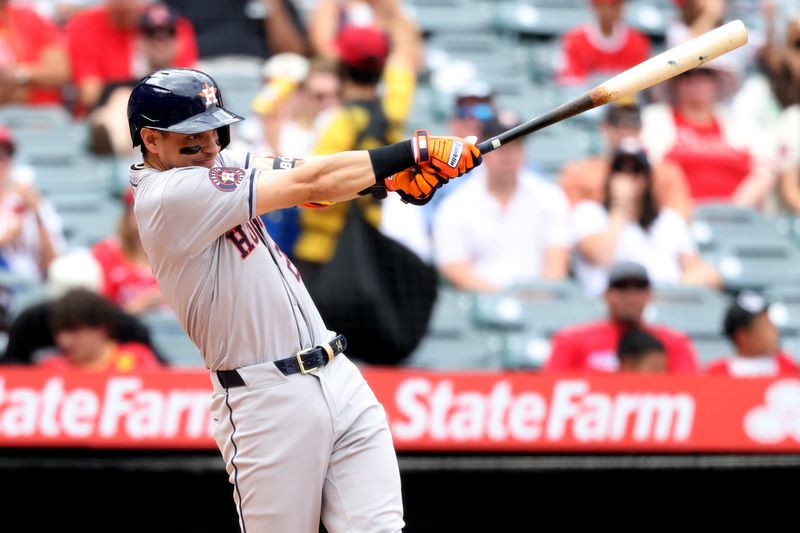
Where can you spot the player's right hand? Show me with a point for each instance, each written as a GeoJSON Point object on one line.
{"type": "Point", "coordinates": [447, 157]}
{"type": "Point", "coordinates": [414, 185]}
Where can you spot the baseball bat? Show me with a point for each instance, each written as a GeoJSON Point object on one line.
{"type": "Point", "coordinates": [664, 66]}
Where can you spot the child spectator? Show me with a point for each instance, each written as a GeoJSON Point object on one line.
{"type": "Point", "coordinates": [33, 57]}
{"type": "Point", "coordinates": [104, 46]}
{"type": "Point", "coordinates": [628, 225]}
{"type": "Point", "coordinates": [593, 347]}
{"type": "Point", "coordinates": [30, 332]}
{"type": "Point", "coordinates": [503, 227]}
{"type": "Point", "coordinates": [128, 279]}
{"type": "Point", "coordinates": [30, 229]}
{"type": "Point", "coordinates": [756, 342]}
{"type": "Point", "coordinates": [638, 351]}
{"type": "Point", "coordinates": [82, 322]}
{"type": "Point", "coordinates": [605, 46]}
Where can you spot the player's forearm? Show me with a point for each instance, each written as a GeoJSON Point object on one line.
{"type": "Point", "coordinates": [325, 178]}
{"type": "Point", "coordinates": [330, 178]}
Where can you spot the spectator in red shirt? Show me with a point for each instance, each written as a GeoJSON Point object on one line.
{"type": "Point", "coordinates": [604, 47]}
{"type": "Point", "coordinates": [593, 347]}
{"type": "Point", "coordinates": [159, 43]}
{"type": "Point", "coordinates": [756, 341]}
{"type": "Point", "coordinates": [105, 48]}
{"type": "Point", "coordinates": [128, 279]}
{"type": "Point", "coordinates": [723, 159]}
{"type": "Point", "coordinates": [33, 57]}
{"type": "Point", "coordinates": [82, 321]}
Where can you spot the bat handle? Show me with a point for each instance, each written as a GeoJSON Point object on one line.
{"type": "Point", "coordinates": [486, 146]}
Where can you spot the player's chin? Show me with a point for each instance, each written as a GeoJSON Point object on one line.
{"type": "Point", "coordinates": [208, 162]}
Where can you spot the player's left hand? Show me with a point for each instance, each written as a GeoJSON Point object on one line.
{"type": "Point", "coordinates": [414, 185]}
{"type": "Point", "coordinates": [447, 157]}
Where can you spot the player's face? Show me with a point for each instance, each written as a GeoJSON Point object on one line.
{"type": "Point", "coordinates": [175, 150]}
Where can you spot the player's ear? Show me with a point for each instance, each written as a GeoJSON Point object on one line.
{"type": "Point", "coordinates": [151, 139]}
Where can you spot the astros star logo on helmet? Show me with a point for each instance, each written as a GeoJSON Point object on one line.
{"type": "Point", "coordinates": [210, 94]}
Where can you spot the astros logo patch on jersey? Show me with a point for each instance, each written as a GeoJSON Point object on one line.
{"type": "Point", "coordinates": [226, 179]}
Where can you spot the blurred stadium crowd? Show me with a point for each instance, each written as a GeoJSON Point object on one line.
{"type": "Point", "coordinates": [661, 233]}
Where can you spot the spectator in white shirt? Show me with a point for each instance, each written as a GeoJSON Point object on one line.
{"type": "Point", "coordinates": [504, 227]}
{"type": "Point", "coordinates": [628, 226]}
{"type": "Point", "coordinates": [30, 229]}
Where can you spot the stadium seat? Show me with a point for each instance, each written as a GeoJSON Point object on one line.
{"type": "Point", "coordinates": [715, 223]}
{"type": "Point", "coordinates": [711, 348]}
{"type": "Point", "coordinates": [692, 310]}
{"type": "Point", "coordinates": [467, 350]}
{"type": "Point", "coordinates": [448, 16]}
{"type": "Point", "coordinates": [791, 345]}
{"type": "Point", "coordinates": [170, 339]}
{"type": "Point", "coordinates": [525, 350]}
{"type": "Point", "coordinates": [19, 292]}
{"type": "Point", "coordinates": [87, 219]}
{"type": "Point", "coordinates": [755, 263]}
{"type": "Point", "coordinates": [541, 307]}
{"type": "Point", "coordinates": [451, 312]}
{"type": "Point", "coordinates": [82, 175]}
{"type": "Point", "coordinates": [789, 226]}
{"type": "Point", "coordinates": [541, 19]}
{"type": "Point", "coordinates": [785, 307]}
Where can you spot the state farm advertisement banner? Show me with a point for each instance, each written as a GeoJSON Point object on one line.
{"type": "Point", "coordinates": [489, 412]}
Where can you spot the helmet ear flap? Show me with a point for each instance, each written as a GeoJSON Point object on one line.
{"type": "Point", "coordinates": [224, 134]}
{"type": "Point", "coordinates": [136, 137]}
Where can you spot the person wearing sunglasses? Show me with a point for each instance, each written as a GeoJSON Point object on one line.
{"type": "Point", "coordinates": [593, 347]}
{"type": "Point", "coordinates": [629, 225]}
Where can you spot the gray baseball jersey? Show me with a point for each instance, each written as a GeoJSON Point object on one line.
{"type": "Point", "coordinates": [235, 293]}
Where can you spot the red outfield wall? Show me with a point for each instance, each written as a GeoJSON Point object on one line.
{"type": "Point", "coordinates": [428, 411]}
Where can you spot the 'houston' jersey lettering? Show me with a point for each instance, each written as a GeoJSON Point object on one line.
{"type": "Point", "coordinates": [208, 250]}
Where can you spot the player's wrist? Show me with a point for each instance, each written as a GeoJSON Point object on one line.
{"type": "Point", "coordinates": [389, 160]}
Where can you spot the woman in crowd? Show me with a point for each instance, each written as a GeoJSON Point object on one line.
{"type": "Point", "coordinates": [627, 225]}
{"type": "Point", "coordinates": [128, 280]}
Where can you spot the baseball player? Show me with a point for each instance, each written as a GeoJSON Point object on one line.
{"type": "Point", "coordinates": [302, 434]}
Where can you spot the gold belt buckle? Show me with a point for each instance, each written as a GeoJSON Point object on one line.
{"type": "Point", "coordinates": [303, 369]}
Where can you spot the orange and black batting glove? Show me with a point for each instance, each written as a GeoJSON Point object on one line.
{"type": "Point", "coordinates": [447, 157]}
{"type": "Point", "coordinates": [414, 186]}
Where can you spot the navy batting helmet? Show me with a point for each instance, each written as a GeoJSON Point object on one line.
{"type": "Point", "coordinates": [179, 100]}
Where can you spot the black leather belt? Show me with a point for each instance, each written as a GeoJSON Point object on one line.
{"type": "Point", "coordinates": [304, 362]}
